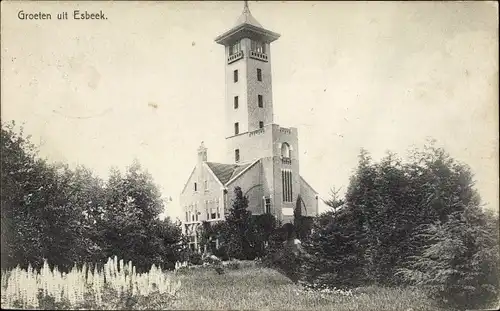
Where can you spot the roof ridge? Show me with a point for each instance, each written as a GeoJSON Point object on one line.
{"type": "Point", "coordinates": [234, 164]}
{"type": "Point", "coordinates": [249, 165]}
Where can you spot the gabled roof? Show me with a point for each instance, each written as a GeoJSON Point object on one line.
{"type": "Point", "coordinates": [185, 185]}
{"type": "Point", "coordinates": [238, 173]}
{"type": "Point", "coordinates": [302, 178]}
{"type": "Point", "coordinates": [224, 172]}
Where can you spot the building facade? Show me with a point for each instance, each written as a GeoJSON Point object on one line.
{"type": "Point", "coordinates": [262, 157]}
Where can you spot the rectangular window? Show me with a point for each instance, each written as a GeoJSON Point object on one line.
{"type": "Point", "coordinates": [261, 124]}
{"type": "Point", "coordinates": [259, 74]}
{"type": "Point", "coordinates": [283, 185]}
{"type": "Point", "coordinates": [261, 101]}
{"type": "Point", "coordinates": [236, 102]}
{"type": "Point", "coordinates": [237, 155]}
{"type": "Point", "coordinates": [267, 205]}
{"type": "Point", "coordinates": [236, 128]}
{"type": "Point", "coordinates": [192, 242]}
{"type": "Point", "coordinates": [213, 214]}
{"type": "Point", "coordinates": [196, 215]}
{"type": "Point", "coordinates": [286, 182]}
{"type": "Point", "coordinates": [235, 75]}
{"type": "Point", "coordinates": [195, 187]}
{"type": "Point", "coordinates": [187, 216]}
{"type": "Point", "coordinates": [290, 192]}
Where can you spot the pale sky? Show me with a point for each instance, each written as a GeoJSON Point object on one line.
{"type": "Point", "coordinates": [349, 75]}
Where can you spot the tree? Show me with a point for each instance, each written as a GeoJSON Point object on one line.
{"type": "Point", "coordinates": [130, 221]}
{"type": "Point", "coordinates": [263, 227]}
{"type": "Point", "coordinates": [242, 235]}
{"type": "Point", "coordinates": [302, 224]}
{"type": "Point", "coordinates": [335, 200]}
{"type": "Point", "coordinates": [460, 267]}
{"type": "Point", "coordinates": [236, 235]}
{"type": "Point", "coordinates": [67, 232]}
{"type": "Point", "coordinates": [67, 216]}
{"type": "Point", "coordinates": [385, 219]}
{"type": "Point", "coordinates": [337, 247]}
{"type": "Point", "coordinates": [43, 207]}
{"type": "Point", "coordinates": [21, 180]}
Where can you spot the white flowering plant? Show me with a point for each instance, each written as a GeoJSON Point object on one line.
{"type": "Point", "coordinates": [116, 284]}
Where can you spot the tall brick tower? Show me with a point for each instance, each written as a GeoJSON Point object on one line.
{"type": "Point", "coordinates": [250, 130]}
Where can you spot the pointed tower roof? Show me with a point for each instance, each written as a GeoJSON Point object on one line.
{"type": "Point", "coordinates": [247, 18]}
{"type": "Point", "coordinates": [246, 26]}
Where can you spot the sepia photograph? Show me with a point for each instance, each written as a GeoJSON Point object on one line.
{"type": "Point", "coordinates": [250, 155]}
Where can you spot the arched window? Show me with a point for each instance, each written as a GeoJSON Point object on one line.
{"type": "Point", "coordinates": [285, 150]}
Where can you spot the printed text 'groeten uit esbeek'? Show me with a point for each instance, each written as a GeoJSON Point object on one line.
{"type": "Point", "coordinates": [77, 15]}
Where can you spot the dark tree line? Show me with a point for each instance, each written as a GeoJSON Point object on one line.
{"type": "Point", "coordinates": [67, 216]}
{"type": "Point", "coordinates": [416, 223]}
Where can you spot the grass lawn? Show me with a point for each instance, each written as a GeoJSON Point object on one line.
{"type": "Point", "coordinates": [265, 289]}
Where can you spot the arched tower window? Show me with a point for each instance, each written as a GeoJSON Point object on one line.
{"type": "Point", "coordinates": [285, 150]}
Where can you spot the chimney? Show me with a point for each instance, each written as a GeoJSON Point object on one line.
{"type": "Point", "coordinates": [202, 154]}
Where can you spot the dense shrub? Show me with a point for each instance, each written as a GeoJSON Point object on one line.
{"type": "Point", "coordinates": [69, 215]}
{"type": "Point", "coordinates": [419, 222]}
{"type": "Point", "coordinates": [461, 266]}
{"type": "Point", "coordinates": [241, 235]}
{"type": "Point", "coordinates": [195, 258]}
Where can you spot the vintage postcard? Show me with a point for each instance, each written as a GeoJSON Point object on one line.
{"type": "Point", "coordinates": [218, 155]}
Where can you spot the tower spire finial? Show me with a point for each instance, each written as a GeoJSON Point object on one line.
{"type": "Point", "coordinates": [245, 6]}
